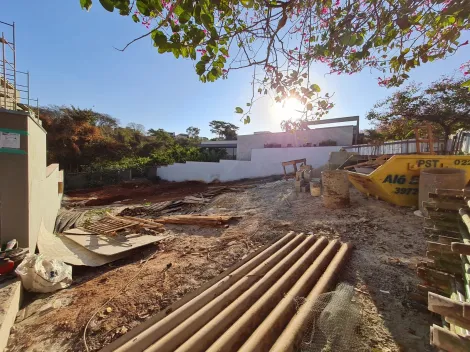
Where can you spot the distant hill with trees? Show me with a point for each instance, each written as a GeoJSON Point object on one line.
{"type": "Point", "coordinates": [86, 140]}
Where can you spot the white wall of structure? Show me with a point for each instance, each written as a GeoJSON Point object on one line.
{"type": "Point", "coordinates": [264, 162]}
{"type": "Point", "coordinates": [342, 135]}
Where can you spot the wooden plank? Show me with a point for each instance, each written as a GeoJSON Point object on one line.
{"type": "Point", "coordinates": [446, 239]}
{"type": "Point", "coordinates": [449, 218]}
{"type": "Point", "coordinates": [202, 220]}
{"type": "Point", "coordinates": [444, 205]}
{"type": "Point", "coordinates": [448, 267]}
{"type": "Point", "coordinates": [448, 341]}
{"type": "Point", "coordinates": [460, 248]}
{"type": "Point", "coordinates": [449, 257]}
{"type": "Point", "coordinates": [458, 295]}
{"type": "Point", "coordinates": [425, 289]}
{"type": "Point", "coordinates": [449, 308]}
{"type": "Point", "coordinates": [435, 278]}
{"type": "Point", "coordinates": [438, 247]}
{"type": "Point", "coordinates": [443, 232]}
{"type": "Point", "coordinates": [453, 192]}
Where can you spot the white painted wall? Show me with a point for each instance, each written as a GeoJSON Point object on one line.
{"type": "Point", "coordinates": [44, 196]}
{"type": "Point", "coordinates": [264, 162]}
{"type": "Point", "coordinates": [343, 135]}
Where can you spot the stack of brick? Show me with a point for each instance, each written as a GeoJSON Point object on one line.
{"type": "Point", "coordinates": [302, 179]}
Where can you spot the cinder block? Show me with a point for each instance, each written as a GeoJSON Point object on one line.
{"type": "Point", "coordinates": [307, 175]}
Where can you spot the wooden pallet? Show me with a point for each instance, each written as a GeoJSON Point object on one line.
{"type": "Point", "coordinates": [109, 225]}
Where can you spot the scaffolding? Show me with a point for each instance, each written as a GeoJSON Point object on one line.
{"type": "Point", "coordinates": [13, 83]}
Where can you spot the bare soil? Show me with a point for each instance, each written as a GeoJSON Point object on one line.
{"type": "Point", "coordinates": [388, 241]}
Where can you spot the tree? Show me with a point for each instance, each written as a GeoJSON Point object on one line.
{"type": "Point", "coordinates": [445, 104]}
{"type": "Point", "coordinates": [136, 127]}
{"type": "Point", "coordinates": [193, 132]}
{"type": "Point", "coordinates": [72, 135]}
{"type": "Point", "coordinates": [280, 40]}
{"type": "Point", "coordinates": [224, 130]}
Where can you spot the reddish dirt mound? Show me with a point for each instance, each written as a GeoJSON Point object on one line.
{"type": "Point", "coordinates": [138, 193]}
{"type": "Point", "coordinates": [135, 192]}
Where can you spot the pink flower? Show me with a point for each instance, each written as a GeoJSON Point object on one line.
{"type": "Point", "coordinates": [324, 10]}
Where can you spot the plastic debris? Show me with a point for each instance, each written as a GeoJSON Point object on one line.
{"type": "Point", "coordinates": [40, 274]}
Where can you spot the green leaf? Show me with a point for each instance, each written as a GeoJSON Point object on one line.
{"type": "Point", "coordinates": [247, 120]}
{"type": "Point", "coordinates": [159, 38]}
{"type": "Point", "coordinates": [135, 18]}
{"type": "Point", "coordinates": [178, 10]}
{"type": "Point", "coordinates": [239, 110]}
{"type": "Point", "coordinates": [248, 104]}
{"type": "Point", "coordinates": [224, 51]}
{"type": "Point", "coordinates": [143, 8]}
{"type": "Point", "coordinates": [207, 21]}
{"type": "Point", "coordinates": [345, 39]}
{"type": "Point", "coordinates": [200, 68]}
{"type": "Point", "coordinates": [184, 17]}
{"type": "Point", "coordinates": [188, 5]}
{"type": "Point", "coordinates": [197, 14]}
{"type": "Point", "coordinates": [176, 53]}
{"type": "Point", "coordinates": [156, 5]}
{"type": "Point", "coordinates": [247, 3]}
{"type": "Point", "coordinates": [86, 4]}
{"type": "Point", "coordinates": [315, 88]}
{"type": "Point", "coordinates": [466, 84]}
{"type": "Point", "coordinates": [108, 5]}
{"type": "Point", "coordinates": [309, 106]}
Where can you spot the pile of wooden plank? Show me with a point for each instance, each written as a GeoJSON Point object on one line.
{"type": "Point", "coordinates": [446, 276]}
{"type": "Point", "coordinates": [110, 225]}
{"type": "Point", "coordinates": [184, 205]}
{"type": "Point", "coordinates": [201, 220]}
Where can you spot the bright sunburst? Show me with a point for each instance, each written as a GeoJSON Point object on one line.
{"type": "Point", "coordinates": [289, 108]}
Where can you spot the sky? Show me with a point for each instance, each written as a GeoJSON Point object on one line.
{"type": "Point", "coordinates": [72, 59]}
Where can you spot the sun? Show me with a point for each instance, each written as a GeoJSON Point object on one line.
{"type": "Point", "coordinates": [290, 108]}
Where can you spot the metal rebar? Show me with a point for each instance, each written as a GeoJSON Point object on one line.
{"type": "Point", "coordinates": [4, 73]}
{"type": "Point", "coordinates": [14, 67]}
{"type": "Point", "coordinates": [27, 75]}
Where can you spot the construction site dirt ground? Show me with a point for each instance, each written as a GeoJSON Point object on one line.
{"type": "Point", "coordinates": [388, 240]}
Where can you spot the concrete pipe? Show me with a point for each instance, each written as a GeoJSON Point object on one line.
{"type": "Point", "coordinates": [270, 294]}
{"type": "Point", "coordinates": [291, 335]}
{"type": "Point", "coordinates": [433, 178]}
{"type": "Point", "coordinates": [148, 336]}
{"type": "Point", "coordinates": [269, 330]}
{"type": "Point", "coordinates": [335, 189]}
{"type": "Point", "coordinates": [279, 262]}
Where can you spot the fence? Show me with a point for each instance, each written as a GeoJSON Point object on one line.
{"type": "Point", "coordinates": [407, 146]}
{"type": "Point", "coordinates": [81, 180]}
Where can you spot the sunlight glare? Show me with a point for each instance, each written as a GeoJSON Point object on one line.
{"type": "Point", "coordinates": [289, 108]}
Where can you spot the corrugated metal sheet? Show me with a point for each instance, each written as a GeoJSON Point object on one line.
{"type": "Point", "coordinates": [249, 308]}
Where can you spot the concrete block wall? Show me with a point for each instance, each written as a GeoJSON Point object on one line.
{"type": "Point", "coordinates": [264, 162]}
{"type": "Point", "coordinates": [29, 192]}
